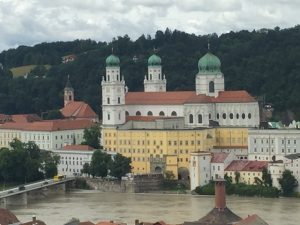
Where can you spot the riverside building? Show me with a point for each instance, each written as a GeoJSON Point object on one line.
{"type": "Point", "coordinates": [158, 129]}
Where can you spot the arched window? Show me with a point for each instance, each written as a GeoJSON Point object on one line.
{"type": "Point", "coordinates": [218, 116]}
{"type": "Point", "coordinates": [211, 87]}
{"type": "Point", "coordinates": [243, 116]}
{"type": "Point", "coordinates": [108, 101]}
{"type": "Point", "coordinates": [108, 116]}
{"type": "Point", "coordinates": [231, 116]}
{"type": "Point", "coordinates": [127, 113]}
{"type": "Point", "coordinates": [70, 97]}
{"type": "Point", "coordinates": [173, 113]}
{"type": "Point", "coordinates": [138, 113]}
{"type": "Point", "coordinates": [108, 77]}
{"type": "Point", "coordinates": [161, 113]}
{"type": "Point", "coordinates": [224, 116]}
{"type": "Point", "coordinates": [150, 113]}
{"type": "Point", "coordinates": [199, 118]}
{"type": "Point", "coordinates": [249, 115]}
{"type": "Point", "coordinates": [237, 116]}
{"type": "Point", "coordinates": [209, 116]}
{"type": "Point", "coordinates": [150, 76]}
{"type": "Point", "coordinates": [191, 118]}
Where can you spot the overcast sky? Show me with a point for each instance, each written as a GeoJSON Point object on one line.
{"type": "Point", "coordinates": [28, 22]}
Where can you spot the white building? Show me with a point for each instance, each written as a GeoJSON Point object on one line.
{"type": "Point", "coordinates": [72, 159]}
{"type": "Point", "coordinates": [208, 102]}
{"type": "Point", "coordinates": [274, 144]}
{"type": "Point", "coordinates": [219, 162]}
{"type": "Point", "coordinates": [290, 162]}
{"type": "Point", "coordinates": [47, 134]}
{"type": "Point", "coordinates": [206, 166]}
{"type": "Point", "coordinates": [200, 169]}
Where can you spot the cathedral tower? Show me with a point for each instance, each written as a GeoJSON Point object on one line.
{"type": "Point", "coordinates": [154, 81]}
{"type": "Point", "coordinates": [210, 79]}
{"type": "Point", "coordinates": [68, 93]}
{"type": "Point", "coordinates": [113, 93]}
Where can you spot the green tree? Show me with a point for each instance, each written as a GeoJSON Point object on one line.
{"type": "Point", "coordinates": [119, 166]}
{"type": "Point", "coordinates": [92, 136]}
{"type": "Point", "coordinates": [86, 169]}
{"type": "Point", "coordinates": [288, 183]}
{"type": "Point", "coordinates": [53, 114]}
{"type": "Point", "coordinates": [237, 177]}
{"type": "Point", "coordinates": [50, 162]}
{"type": "Point", "coordinates": [169, 175]}
{"type": "Point", "coordinates": [99, 163]}
{"type": "Point", "coordinates": [266, 177]}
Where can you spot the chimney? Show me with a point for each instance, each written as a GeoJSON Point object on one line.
{"type": "Point", "coordinates": [220, 194]}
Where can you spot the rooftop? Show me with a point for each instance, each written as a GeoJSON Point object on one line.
{"type": "Point", "coordinates": [238, 165]}
{"type": "Point", "coordinates": [219, 157]}
{"type": "Point", "coordinates": [78, 148]}
{"type": "Point", "coordinates": [185, 97]}
{"type": "Point", "coordinates": [78, 109]}
{"type": "Point", "coordinates": [48, 125]}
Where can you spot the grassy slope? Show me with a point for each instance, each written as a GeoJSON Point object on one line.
{"type": "Point", "coordinates": [23, 70]}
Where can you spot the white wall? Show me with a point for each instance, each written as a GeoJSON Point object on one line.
{"type": "Point", "coordinates": [200, 169]}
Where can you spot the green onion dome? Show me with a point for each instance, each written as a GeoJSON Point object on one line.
{"type": "Point", "coordinates": [154, 60]}
{"type": "Point", "coordinates": [112, 60]}
{"type": "Point", "coordinates": [209, 63]}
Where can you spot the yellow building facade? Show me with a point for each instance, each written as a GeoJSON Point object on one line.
{"type": "Point", "coordinates": [168, 150]}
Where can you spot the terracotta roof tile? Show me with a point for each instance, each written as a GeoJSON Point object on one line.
{"type": "Point", "coordinates": [238, 165]}
{"type": "Point", "coordinates": [78, 147]}
{"type": "Point", "coordinates": [185, 97]}
{"type": "Point", "coordinates": [219, 157]}
{"type": "Point", "coordinates": [48, 125]}
{"type": "Point", "coordinates": [24, 118]}
{"type": "Point", "coordinates": [78, 109]}
{"type": "Point", "coordinates": [252, 220]}
{"type": "Point", "coordinates": [7, 217]}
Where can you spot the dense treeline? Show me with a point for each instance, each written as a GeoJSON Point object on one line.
{"type": "Point", "coordinates": [265, 63]}
{"type": "Point", "coordinates": [25, 162]}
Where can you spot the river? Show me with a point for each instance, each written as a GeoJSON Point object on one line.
{"type": "Point", "coordinates": [96, 206]}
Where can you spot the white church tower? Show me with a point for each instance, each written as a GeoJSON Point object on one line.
{"type": "Point", "coordinates": [155, 81]}
{"type": "Point", "coordinates": [210, 79]}
{"type": "Point", "coordinates": [113, 93]}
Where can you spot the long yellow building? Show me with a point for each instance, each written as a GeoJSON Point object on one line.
{"type": "Point", "coordinates": [160, 150]}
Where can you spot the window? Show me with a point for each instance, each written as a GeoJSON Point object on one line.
{"type": "Point", "coordinates": [249, 115]}
{"type": "Point", "coordinates": [108, 116]}
{"type": "Point", "coordinates": [138, 113]}
{"type": "Point", "coordinates": [127, 113]}
{"type": "Point", "coordinates": [199, 118]}
{"type": "Point", "coordinates": [231, 116]}
{"type": "Point", "coordinates": [150, 113]}
{"type": "Point", "coordinates": [218, 116]}
{"type": "Point", "coordinates": [209, 116]}
{"type": "Point", "coordinates": [191, 118]}
{"type": "Point", "coordinates": [211, 87]}
{"type": "Point", "coordinates": [108, 101]}
{"type": "Point", "coordinates": [237, 116]}
{"type": "Point", "coordinates": [173, 113]}
{"type": "Point", "coordinates": [161, 113]}
{"type": "Point", "coordinates": [119, 100]}
{"type": "Point", "coordinates": [224, 116]}
{"type": "Point", "coordinates": [243, 116]}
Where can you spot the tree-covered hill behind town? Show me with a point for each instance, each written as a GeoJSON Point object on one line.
{"type": "Point", "coordinates": [263, 62]}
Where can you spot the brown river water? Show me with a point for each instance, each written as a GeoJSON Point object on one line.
{"type": "Point", "coordinates": [171, 208]}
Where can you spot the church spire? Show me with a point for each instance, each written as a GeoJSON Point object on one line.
{"type": "Point", "coordinates": [68, 92]}
{"type": "Point", "coordinates": [68, 84]}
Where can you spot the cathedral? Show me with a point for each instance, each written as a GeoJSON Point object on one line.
{"type": "Point", "coordinates": [208, 105]}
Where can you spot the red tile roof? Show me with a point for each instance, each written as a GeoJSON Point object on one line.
{"type": "Point", "coordinates": [252, 220]}
{"type": "Point", "coordinates": [25, 118]}
{"type": "Point", "coordinates": [109, 223]}
{"type": "Point", "coordinates": [219, 157]}
{"type": "Point", "coordinates": [236, 165]}
{"type": "Point", "coordinates": [78, 147]}
{"type": "Point", "coordinates": [7, 217]}
{"type": "Point", "coordinates": [48, 125]}
{"type": "Point", "coordinates": [78, 109]}
{"type": "Point", "coordinates": [253, 166]}
{"type": "Point", "coordinates": [183, 97]}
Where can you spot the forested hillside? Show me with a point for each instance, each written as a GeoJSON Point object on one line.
{"type": "Point", "coordinates": [265, 63]}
